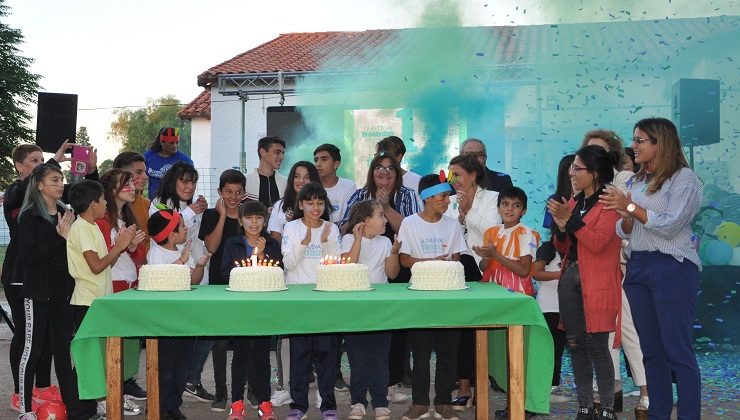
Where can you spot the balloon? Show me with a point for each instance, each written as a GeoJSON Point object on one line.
{"type": "Point", "coordinates": [728, 232]}
{"type": "Point", "coordinates": [52, 410]}
{"type": "Point", "coordinates": [716, 253]}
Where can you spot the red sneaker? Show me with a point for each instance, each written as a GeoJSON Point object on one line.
{"type": "Point", "coordinates": [265, 411]}
{"type": "Point", "coordinates": [51, 393]}
{"type": "Point", "coordinates": [237, 411]}
{"type": "Point", "coordinates": [15, 403]}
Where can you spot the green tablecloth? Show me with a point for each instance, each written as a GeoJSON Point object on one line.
{"type": "Point", "coordinates": [212, 311]}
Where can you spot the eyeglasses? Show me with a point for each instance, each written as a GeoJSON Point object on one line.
{"type": "Point", "coordinates": [477, 154]}
{"type": "Point", "coordinates": [576, 169]}
{"type": "Point", "coordinates": [641, 140]}
{"type": "Point", "coordinates": [386, 169]}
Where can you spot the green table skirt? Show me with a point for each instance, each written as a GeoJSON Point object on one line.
{"type": "Point", "coordinates": [213, 311]}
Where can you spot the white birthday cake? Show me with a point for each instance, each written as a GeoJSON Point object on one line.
{"type": "Point", "coordinates": [164, 277]}
{"type": "Point", "coordinates": [343, 277]}
{"type": "Point", "coordinates": [257, 279]}
{"type": "Point", "coordinates": [437, 275]}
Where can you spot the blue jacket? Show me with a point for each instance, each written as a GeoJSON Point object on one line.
{"type": "Point", "coordinates": [236, 249]}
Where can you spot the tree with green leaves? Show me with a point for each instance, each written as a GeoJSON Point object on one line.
{"type": "Point", "coordinates": [82, 138]}
{"type": "Point", "coordinates": [18, 87]}
{"type": "Point", "coordinates": [137, 129]}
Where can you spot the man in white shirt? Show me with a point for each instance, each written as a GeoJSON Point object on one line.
{"type": "Point", "coordinates": [327, 160]}
{"type": "Point", "coordinates": [265, 184]}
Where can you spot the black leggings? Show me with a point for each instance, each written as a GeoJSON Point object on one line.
{"type": "Point", "coordinates": [589, 352]}
{"type": "Point", "coordinates": [43, 367]}
{"type": "Point", "coordinates": [558, 340]}
{"type": "Point", "coordinates": [47, 323]}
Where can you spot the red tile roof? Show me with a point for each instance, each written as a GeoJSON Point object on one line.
{"type": "Point", "coordinates": [616, 42]}
{"type": "Point", "coordinates": [199, 107]}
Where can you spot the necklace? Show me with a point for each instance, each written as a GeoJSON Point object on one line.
{"type": "Point", "coordinates": [582, 211]}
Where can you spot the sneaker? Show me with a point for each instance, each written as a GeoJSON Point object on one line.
{"type": "Point", "coordinates": [97, 417]}
{"type": "Point", "coordinates": [558, 396]}
{"type": "Point", "coordinates": [396, 395]}
{"type": "Point", "coordinates": [329, 415]}
{"type": "Point", "coordinates": [197, 392]}
{"type": "Point", "coordinates": [504, 414]}
{"type": "Point", "coordinates": [585, 413]}
{"type": "Point", "coordinates": [357, 412]}
{"type": "Point", "coordinates": [50, 393]}
{"type": "Point", "coordinates": [382, 413]}
{"type": "Point", "coordinates": [15, 403]}
{"type": "Point", "coordinates": [641, 410]}
{"type": "Point", "coordinates": [265, 411]}
{"type": "Point", "coordinates": [219, 403]}
{"type": "Point", "coordinates": [28, 416]}
{"type": "Point", "coordinates": [280, 397]}
{"type": "Point", "coordinates": [130, 408]}
{"type": "Point", "coordinates": [133, 390]}
{"type": "Point", "coordinates": [606, 414]}
{"type": "Point", "coordinates": [461, 403]}
{"type": "Point", "coordinates": [416, 411]}
{"type": "Point", "coordinates": [445, 411]}
{"type": "Point", "coordinates": [176, 414]}
{"type": "Point", "coordinates": [295, 414]}
{"type": "Point", "coordinates": [237, 411]}
{"type": "Point", "coordinates": [340, 385]}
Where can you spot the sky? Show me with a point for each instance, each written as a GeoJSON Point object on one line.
{"type": "Point", "coordinates": [115, 54]}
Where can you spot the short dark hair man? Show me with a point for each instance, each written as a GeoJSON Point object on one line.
{"type": "Point", "coordinates": [327, 160]}
{"type": "Point", "coordinates": [264, 183]}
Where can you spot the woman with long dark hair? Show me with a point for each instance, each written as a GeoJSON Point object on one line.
{"type": "Point", "coordinates": [589, 289]}
{"type": "Point", "coordinates": [300, 174]}
{"type": "Point", "coordinates": [662, 277]}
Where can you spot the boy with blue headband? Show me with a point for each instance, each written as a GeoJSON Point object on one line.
{"type": "Point", "coordinates": [430, 235]}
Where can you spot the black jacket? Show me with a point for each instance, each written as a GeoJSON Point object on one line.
{"type": "Point", "coordinates": [236, 250]}
{"type": "Point", "coordinates": [497, 181]}
{"type": "Point", "coordinates": [12, 203]}
{"type": "Point", "coordinates": [42, 259]}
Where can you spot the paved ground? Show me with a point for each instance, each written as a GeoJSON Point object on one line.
{"type": "Point", "coordinates": [719, 371]}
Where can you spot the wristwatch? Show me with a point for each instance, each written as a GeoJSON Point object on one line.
{"type": "Point", "coordinates": [631, 208]}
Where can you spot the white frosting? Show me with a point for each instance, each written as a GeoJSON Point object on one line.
{"type": "Point", "coordinates": [342, 277]}
{"type": "Point", "coordinates": [437, 275]}
{"type": "Point", "coordinates": [165, 277]}
{"type": "Point", "coordinates": [256, 279]}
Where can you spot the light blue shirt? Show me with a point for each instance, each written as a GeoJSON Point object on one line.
{"type": "Point", "coordinates": [670, 211]}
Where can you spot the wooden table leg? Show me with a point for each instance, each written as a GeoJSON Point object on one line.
{"type": "Point", "coordinates": [152, 378]}
{"type": "Point", "coordinates": [515, 344]}
{"type": "Point", "coordinates": [114, 378]}
{"type": "Point", "coordinates": [481, 374]}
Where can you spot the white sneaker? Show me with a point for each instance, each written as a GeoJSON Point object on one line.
{"type": "Point", "coordinates": [396, 395]}
{"type": "Point", "coordinates": [357, 412]}
{"type": "Point", "coordinates": [382, 413]}
{"type": "Point", "coordinates": [130, 408]}
{"type": "Point", "coordinates": [557, 395]}
{"type": "Point", "coordinates": [280, 397]}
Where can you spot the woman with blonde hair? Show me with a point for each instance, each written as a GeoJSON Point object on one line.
{"type": "Point", "coordinates": [662, 278]}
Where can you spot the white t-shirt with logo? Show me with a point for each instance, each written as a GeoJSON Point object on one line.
{"type": "Point", "coordinates": [421, 239]}
{"type": "Point", "coordinates": [339, 195]}
{"type": "Point", "coordinates": [300, 261]}
{"type": "Point", "coordinates": [373, 253]}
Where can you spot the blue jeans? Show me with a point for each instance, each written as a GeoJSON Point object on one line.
{"type": "Point", "coordinates": [662, 294]}
{"type": "Point", "coordinates": [201, 348]}
{"type": "Point", "coordinates": [368, 362]}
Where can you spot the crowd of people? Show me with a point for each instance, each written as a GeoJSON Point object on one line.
{"type": "Point", "coordinates": [614, 267]}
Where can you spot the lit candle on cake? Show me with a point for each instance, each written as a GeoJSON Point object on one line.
{"type": "Point", "coordinates": [253, 258]}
